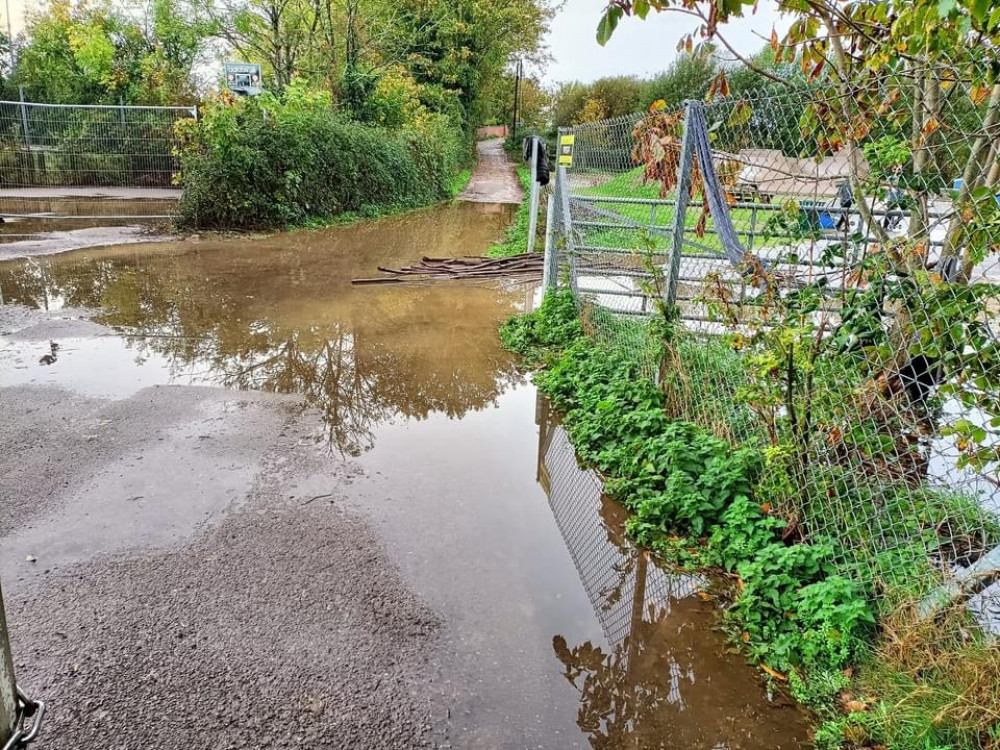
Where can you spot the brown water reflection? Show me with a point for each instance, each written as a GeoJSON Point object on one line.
{"type": "Point", "coordinates": [664, 676]}
{"type": "Point", "coordinates": [279, 314]}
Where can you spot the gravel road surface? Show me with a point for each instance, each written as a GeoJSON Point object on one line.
{"type": "Point", "coordinates": [181, 572]}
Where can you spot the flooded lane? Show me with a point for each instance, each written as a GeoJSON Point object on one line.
{"type": "Point", "coordinates": [279, 314]}
{"type": "Point", "coordinates": [561, 634]}
{"type": "Point", "coordinates": [558, 634]}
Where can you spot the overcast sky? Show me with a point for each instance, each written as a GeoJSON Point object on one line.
{"type": "Point", "coordinates": [637, 47]}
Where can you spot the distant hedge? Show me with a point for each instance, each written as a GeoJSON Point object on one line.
{"type": "Point", "coordinates": [266, 162]}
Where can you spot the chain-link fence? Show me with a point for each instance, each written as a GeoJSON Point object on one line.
{"type": "Point", "coordinates": [88, 162]}
{"type": "Point", "coordinates": [832, 255]}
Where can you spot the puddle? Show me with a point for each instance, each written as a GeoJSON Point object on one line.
{"type": "Point", "coordinates": [561, 635]}
{"type": "Point", "coordinates": [279, 314]}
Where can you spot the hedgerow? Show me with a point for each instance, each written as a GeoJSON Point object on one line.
{"type": "Point", "coordinates": [268, 161]}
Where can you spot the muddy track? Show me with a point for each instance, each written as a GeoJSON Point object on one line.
{"type": "Point", "coordinates": [494, 179]}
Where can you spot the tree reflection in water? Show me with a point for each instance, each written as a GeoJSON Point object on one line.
{"type": "Point", "coordinates": [664, 678]}
{"type": "Point", "coordinates": [288, 322]}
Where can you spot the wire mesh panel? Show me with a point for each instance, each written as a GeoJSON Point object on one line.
{"type": "Point", "coordinates": [839, 298]}
{"type": "Point", "coordinates": [88, 162]}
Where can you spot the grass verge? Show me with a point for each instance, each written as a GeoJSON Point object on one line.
{"type": "Point", "coordinates": [460, 181]}
{"type": "Point", "coordinates": [515, 240]}
{"type": "Point", "coordinates": [769, 229]}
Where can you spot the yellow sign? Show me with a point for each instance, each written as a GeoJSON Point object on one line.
{"type": "Point", "coordinates": [566, 150]}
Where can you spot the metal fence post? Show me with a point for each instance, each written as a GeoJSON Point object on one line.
{"type": "Point", "coordinates": [533, 215]}
{"type": "Point", "coordinates": [551, 273]}
{"type": "Point", "coordinates": [680, 207]}
{"type": "Point", "coordinates": [567, 227]}
{"type": "Point", "coordinates": [24, 118]}
{"type": "Point", "coordinates": [8, 692]}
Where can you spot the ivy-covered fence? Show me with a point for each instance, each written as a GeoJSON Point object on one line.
{"type": "Point", "coordinates": [831, 301]}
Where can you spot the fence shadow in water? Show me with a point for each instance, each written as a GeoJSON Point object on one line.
{"type": "Point", "coordinates": [665, 678]}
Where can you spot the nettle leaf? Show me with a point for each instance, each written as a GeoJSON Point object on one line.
{"type": "Point", "coordinates": [980, 8]}
{"type": "Point", "coordinates": [945, 7]}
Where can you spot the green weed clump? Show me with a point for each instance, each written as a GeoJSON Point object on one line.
{"type": "Point", "coordinates": [682, 482]}
{"type": "Point", "coordinates": [843, 637]}
{"type": "Point", "coordinates": [266, 161]}
{"type": "Point", "coordinates": [515, 240]}
{"type": "Point", "coordinates": [554, 326]}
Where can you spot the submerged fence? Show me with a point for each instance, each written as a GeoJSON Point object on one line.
{"type": "Point", "coordinates": [83, 162]}
{"type": "Point", "coordinates": [839, 300]}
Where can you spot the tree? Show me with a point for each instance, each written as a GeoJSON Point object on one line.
{"type": "Point", "coordinates": [6, 87]}
{"type": "Point", "coordinates": [533, 102]}
{"type": "Point", "coordinates": [461, 48]}
{"type": "Point", "coordinates": [79, 52]}
{"type": "Point", "coordinates": [567, 101]}
{"type": "Point", "coordinates": [854, 44]}
{"type": "Point", "coordinates": [279, 34]}
{"type": "Point", "coordinates": [918, 73]}
{"type": "Point", "coordinates": [686, 78]}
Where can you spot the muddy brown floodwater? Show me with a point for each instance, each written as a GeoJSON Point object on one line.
{"type": "Point", "coordinates": [525, 619]}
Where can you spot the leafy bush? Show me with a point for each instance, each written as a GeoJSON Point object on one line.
{"type": "Point", "coordinates": [797, 613]}
{"type": "Point", "coordinates": [554, 325]}
{"type": "Point", "coordinates": [744, 532]}
{"type": "Point", "coordinates": [264, 162]}
{"type": "Point", "coordinates": [793, 608]}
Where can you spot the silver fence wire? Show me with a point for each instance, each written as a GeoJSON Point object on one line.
{"type": "Point", "coordinates": [839, 305]}
{"type": "Point", "coordinates": [90, 162]}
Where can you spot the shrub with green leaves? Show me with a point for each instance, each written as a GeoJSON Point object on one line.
{"type": "Point", "coordinates": [552, 327]}
{"type": "Point", "coordinates": [796, 612]}
{"type": "Point", "coordinates": [268, 161]}
{"type": "Point", "coordinates": [794, 609]}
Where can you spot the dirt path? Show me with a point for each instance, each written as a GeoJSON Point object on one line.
{"type": "Point", "coordinates": [494, 179]}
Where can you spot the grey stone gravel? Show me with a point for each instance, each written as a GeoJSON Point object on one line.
{"type": "Point", "coordinates": [180, 572]}
{"type": "Point", "coordinates": [280, 628]}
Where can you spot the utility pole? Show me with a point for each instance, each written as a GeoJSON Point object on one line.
{"type": "Point", "coordinates": [10, 36]}
{"type": "Point", "coordinates": [517, 92]}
